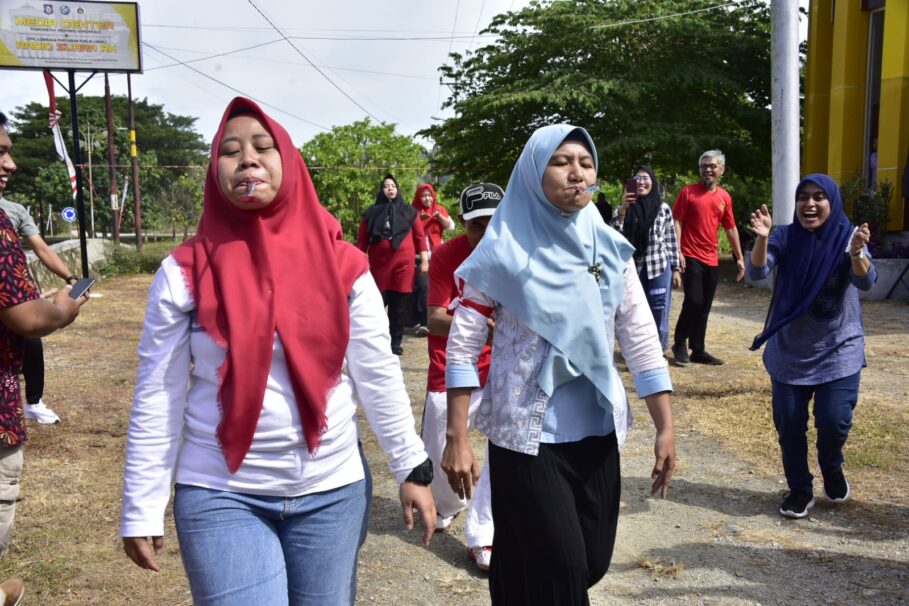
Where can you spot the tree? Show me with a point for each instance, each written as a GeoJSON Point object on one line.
{"type": "Point", "coordinates": [169, 149]}
{"type": "Point", "coordinates": [347, 165]}
{"type": "Point", "coordinates": [649, 89]}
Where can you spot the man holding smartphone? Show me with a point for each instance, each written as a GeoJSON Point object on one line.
{"type": "Point", "coordinates": [33, 365]}
{"type": "Point", "coordinates": [699, 210]}
{"type": "Point", "coordinates": [23, 313]}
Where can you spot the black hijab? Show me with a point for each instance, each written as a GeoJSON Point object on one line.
{"type": "Point", "coordinates": [389, 219]}
{"type": "Point", "coordinates": [639, 217]}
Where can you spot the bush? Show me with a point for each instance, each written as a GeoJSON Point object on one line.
{"type": "Point", "coordinates": [126, 260]}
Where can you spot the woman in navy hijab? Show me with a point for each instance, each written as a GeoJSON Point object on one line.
{"type": "Point", "coordinates": [814, 334]}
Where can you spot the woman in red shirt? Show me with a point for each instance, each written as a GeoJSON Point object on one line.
{"type": "Point", "coordinates": [435, 220]}
{"type": "Point", "coordinates": [391, 236]}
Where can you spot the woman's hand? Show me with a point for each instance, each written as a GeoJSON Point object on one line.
{"type": "Point", "coordinates": [761, 222]}
{"type": "Point", "coordinates": [859, 239]}
{"type": "Point", "coordinates": [664, 465]}
{"type": "Point", "coordinates": [140, 551]}
{"type": "Point", "coordinates": [460, 466]}
{"type": "Point", "coordinates": [677, 278]}
{"type": "Point", "coordinates": [628, 198]}
{"type": "Point", "coordinates": [413, 496]}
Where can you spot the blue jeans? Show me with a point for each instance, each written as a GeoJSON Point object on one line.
{"type": "Point", "coordinates": [252, 549]}
{"type": "Point", "coordinates": [833, 405]}
{"type": "Point", "coordinates": [659, 297]}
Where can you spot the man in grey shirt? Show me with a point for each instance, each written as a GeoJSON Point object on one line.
{"type": "Point", "coordinates": [33, 364]}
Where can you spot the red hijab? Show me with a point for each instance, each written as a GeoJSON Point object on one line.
{"type": "Point", "coordinates": [431, 227]}
{"type": "Point", "coordinates": [283, 268]}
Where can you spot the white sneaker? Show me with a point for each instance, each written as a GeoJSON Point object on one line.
{"type": "Point", "coordinates": [443, 523]}
{"type": "Point", "coordinates": [41, 413]}
{"type": "Point", "coordinates": [481, 556]}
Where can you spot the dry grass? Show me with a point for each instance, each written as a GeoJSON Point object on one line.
{"type": "Point", "coordinates": [65, 542]}
{"type": "Point", "coordinates": [658, 568]}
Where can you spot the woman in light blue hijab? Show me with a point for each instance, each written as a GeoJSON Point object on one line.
{"type": "Point", "coordinates": [561, 287]}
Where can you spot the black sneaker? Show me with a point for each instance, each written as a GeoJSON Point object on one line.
{"type": "Point", "coordinates": [680, 353]}
{"type": "Point", "coordinates": [398, 351]}
{"type": "Point", "coordinates": [702, 357]}
{"type": "Point", "coordinates": [796, 504]}
{"type": "Point", "coordinates": [836, 488]}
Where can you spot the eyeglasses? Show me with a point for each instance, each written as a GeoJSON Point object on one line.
{"type": "Point", "coordinates": [709, 166]}
{"type": "Point", "coordinates": [642, 178]}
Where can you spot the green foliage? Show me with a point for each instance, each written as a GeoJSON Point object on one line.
{"type": "Point", "coordinates": [347, 165]}
{"type": "Point", "coordinates": [870, 205]}
{"type": "Point", "coordinates": [124, 260]}
{"type": "Point", "coordinates": [657, 92]}
{"type": "Point", "coordinates": [170, 151]}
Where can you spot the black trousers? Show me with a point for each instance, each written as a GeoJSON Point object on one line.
{"type": "Point", "coordinates": [396, 302]}
{"type": "Point", "coordinates": [33, 370]}
{"type": "Point", "coordinates": [417, 307]}
{"type": "Point", "coordinates": [699, 282]}
{"type": "Point", "coordinates": [555, 516]}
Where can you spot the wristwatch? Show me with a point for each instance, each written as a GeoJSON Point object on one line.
{"type": "Point", "coordinates": [859, 255]}
{"type": "Point", "coordinates": [421, 474]}
{"type": "Point", "coordinates": [72, 277]}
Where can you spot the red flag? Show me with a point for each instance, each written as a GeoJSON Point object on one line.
{"type": "Point", "coordinates": [59, 144]}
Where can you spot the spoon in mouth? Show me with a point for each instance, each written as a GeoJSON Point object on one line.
{"type": "Point", "coordinates": [250, 187]}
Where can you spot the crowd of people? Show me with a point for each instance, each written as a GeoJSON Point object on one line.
{"type": "Point", "coordinates": [266, 331]}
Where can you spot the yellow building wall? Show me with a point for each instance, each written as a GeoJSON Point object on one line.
{"type": "Point", "coordinates": [817, 86]}
{"type": "Point", "coordinates": [849, 60]}
{"type": "Point", "coordinates": [893, 138]}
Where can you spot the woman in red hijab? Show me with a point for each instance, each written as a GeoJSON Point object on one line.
{"type": "Point", "coordinates": [391, 234]}
{"type": "Point", "coordinates": [241, 400]}
{"type": "Point", "coordinates": [436, 220]}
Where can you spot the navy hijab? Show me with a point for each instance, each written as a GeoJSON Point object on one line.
{"type": "Point", "coordinates": [811, 257]}
{"type": "Point", "coordinates": [389, 219]}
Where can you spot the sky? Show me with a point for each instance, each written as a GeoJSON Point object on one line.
{"type": "Point", "coordinates": [389, 80]}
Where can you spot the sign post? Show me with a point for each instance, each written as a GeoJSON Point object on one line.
{"type": "Point", "coordinates": [82, 36]}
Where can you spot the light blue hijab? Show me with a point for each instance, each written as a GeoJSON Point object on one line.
{"type": "Point", "coordinates": [534, 259]}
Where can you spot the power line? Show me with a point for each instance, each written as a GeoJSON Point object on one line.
{"type": "Point", "coordinates": [476, 27]}
{"type": "Point", "coordinates": [278, 61]}
{"type": "Point", "coordinates": [299, 52]}
{"type": "Point", "coordinates": [450, 45]}
{"type": "Point", "coordinates": [222, 28]}
{"type": "Point", "coordinates": [224, 54]}
{"type": "Point", "coordinates": [661, 17]}
{"type": "Point", "coordinates": [237, 90]}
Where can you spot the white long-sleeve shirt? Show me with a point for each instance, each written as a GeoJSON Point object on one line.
{"type": "Point", "coordinates": [175, 411]}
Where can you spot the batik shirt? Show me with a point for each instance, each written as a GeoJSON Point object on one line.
{"type": "Point", "coordinates": [15, 287]}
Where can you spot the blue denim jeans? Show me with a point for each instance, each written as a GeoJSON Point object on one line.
{"type": "Point", "coordinates": [659, 297]}
{"type": "Point", "coordinates": [252, 549]}
{"type": "Point", "coordinates": [833, 405]}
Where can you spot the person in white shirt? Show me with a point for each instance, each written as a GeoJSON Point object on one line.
{"type": "Point", "coordinates": [562, 287]}
{"type": "Point", "coordinates": [261, 334]}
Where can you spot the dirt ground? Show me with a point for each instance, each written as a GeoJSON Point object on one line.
{"type": "Point", "coordinates": [716, 540]}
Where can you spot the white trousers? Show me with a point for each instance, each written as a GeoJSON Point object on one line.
{"type": "Point", "coordinates": [478, 529]}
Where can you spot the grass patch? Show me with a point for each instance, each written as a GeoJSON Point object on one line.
{"type": "Point", "coordinates": [125, 260]}
{"type": "Point", "coordinates": [658, 568]}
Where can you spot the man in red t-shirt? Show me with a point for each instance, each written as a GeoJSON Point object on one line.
{"type": "Point", "coordinates": [478, 202]}
{"type": "Point", "coordinates": [699, 210]}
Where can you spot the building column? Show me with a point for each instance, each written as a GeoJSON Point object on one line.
{"type": "Point", "coordinates": [893, 139]}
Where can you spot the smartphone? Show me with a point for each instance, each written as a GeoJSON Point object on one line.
{"type": "Point", "coordinates": [80, 287]}
{"type": "Point", "coordinates": [631, 186]}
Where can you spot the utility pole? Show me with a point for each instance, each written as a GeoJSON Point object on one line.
{"type": "Point", "coordinates": [784, 114]}
{"type": "Point", "coordinates": [134, 157]}
{"type": "Point", "coordinates": [89, 143]}
{"type": "Point", "coordinates": [112, 161]}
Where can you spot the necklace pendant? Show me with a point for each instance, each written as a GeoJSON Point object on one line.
{"type": "Point", "coordinates": [595, 270]}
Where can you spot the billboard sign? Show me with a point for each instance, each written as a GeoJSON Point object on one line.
{"type": "Point", "coordinates": [83, 36]}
